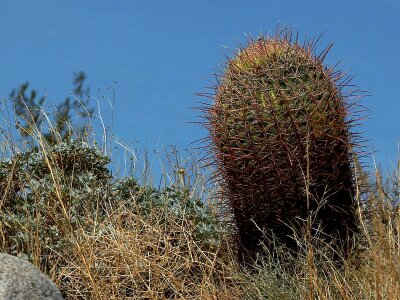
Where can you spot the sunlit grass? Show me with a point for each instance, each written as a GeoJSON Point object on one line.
{"type": "Point", "coordinates": [106, 242]}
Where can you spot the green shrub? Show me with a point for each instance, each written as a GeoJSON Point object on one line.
{"type": "Point", "coordinates": [48, 194]}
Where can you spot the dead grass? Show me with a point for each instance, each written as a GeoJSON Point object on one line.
{"type": "Point", "coordinates": [131, 255]}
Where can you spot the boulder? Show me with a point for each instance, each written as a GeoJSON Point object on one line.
{"type": "Point", "coordinates": [20, 280]}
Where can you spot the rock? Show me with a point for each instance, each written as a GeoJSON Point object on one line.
{"type": "Point", "coordinates": [20, 280]}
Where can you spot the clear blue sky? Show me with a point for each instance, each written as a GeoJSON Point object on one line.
{"type": "Point", "coordinates": [162, 52]}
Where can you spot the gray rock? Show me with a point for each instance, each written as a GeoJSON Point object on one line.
{"type": "Point", "coordinates": [20, 280]}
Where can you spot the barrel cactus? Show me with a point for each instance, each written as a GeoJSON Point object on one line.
{"type": "Point", "coordinates": [281, 138]}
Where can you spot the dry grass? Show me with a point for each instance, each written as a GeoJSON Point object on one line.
{"type": "Point", "coordinates": [129, 257]}
{"type": "Point", "coordinates": [118, 251]}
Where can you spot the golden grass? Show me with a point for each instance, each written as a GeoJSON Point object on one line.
{"type": "Point", "coordinates": [127, 255]}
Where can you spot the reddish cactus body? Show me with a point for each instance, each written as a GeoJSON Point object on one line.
{"type": "Point", "coordinates": [281, 140]}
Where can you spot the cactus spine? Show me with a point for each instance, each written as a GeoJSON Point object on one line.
{"type": "Point", "coordinates": [281, 139]}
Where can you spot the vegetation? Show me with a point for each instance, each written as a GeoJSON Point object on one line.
{"type": "Point", "coordinates": [28, 108]}
{"type": "Point", "coordinates": [62, 209]}
{"type": "Point", "coordinates": [98, 235]}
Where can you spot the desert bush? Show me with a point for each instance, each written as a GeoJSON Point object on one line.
{"type": "Point", "coordinates": [61, 208]}
{"type": "Point", "coordinates": [46, 193]}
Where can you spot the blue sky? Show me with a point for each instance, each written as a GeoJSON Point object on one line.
{"type": "Point", "coordinates": [161, 53]}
